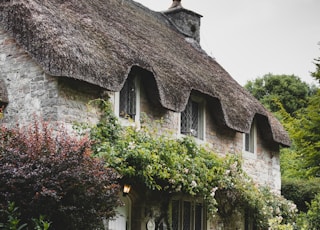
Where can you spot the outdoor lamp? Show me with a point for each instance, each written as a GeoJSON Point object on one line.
{"type": "Point", "coordinates": [126, 189]}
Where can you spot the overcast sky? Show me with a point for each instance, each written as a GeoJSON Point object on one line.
{"type": "Point", "coordinates": [251, 38]}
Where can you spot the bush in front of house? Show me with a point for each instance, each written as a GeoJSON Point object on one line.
{"type": "Point", "coordinates": [53, 174]}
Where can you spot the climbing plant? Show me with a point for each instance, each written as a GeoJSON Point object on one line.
{"type": "Point", "coordinates": [164, 163]}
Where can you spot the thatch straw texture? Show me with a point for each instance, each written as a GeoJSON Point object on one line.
{"type": "Point", "coordinates": [98, 41]}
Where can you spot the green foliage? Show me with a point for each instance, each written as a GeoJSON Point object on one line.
{"type": "Point", "coordinates": [41, 223]}
{"type": "Point", "coordinates": [304, 130]}
{"type": "Point", "coordinates": [291, 164]}
{"type": "Point", "coordinates": [316, 74]}
{"type": "Point", "coordinates": [313, 213]}
{"type": "Point", "coordinates": [306, 136]}
{"type": "Point", "coordinates": [12, 217]}
{"type": "Point", "coordinates": [311, 220]}
{"type": "Point", "coordinates": [55, 175]}
{"type": "Point", "coordinates": [287, 89]}
{"type": "Point", "coordinates": [164, 163]}
{"type": "Point", "coordinates": [300, 191]}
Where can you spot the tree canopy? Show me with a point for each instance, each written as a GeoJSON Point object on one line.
{"type": "Point", "coordinates": [316, 74]}
{"type": "Point", "coordinates": [289, 90]}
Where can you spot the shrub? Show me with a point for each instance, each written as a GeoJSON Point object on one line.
{"type": "Point", "coordinates": [54, 174]}
{"type": "Point", "coordinates": [313, 214]}
{"type": "Point", "coordinates": [300, 191]}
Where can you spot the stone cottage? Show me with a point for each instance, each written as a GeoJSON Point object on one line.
{"type": "Point", "coordinates": [57, 55]}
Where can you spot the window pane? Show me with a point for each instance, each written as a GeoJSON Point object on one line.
{"type": "Point", "coordinates": [198, 217]}
{"type": "Point", "coordinates": [186, 117]}
{"type": "Point", "coordinates": [249, 140]}
{"type": "Point", "coordinates": [195, 119]}
{"type": "Point", "coordinates": [190, 119]}
{"type": "Point", "coordinates": [128, 99]}
{"type": "Point", "coordinates": [175, 214]}
{"type": "Point", "coordinates": [251, 148]}
{"type": "Point", "coordinates": [186, 215]}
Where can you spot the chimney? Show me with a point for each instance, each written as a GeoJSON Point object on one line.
{"type": "Point", "coordinates": [175, 3]}
{"type": "Point", "coordinates": [186, 21]}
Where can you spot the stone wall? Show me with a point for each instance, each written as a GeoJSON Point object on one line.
{"type": "Point", "coordinates": [29, 88]}
{"type": "Point", "coordinates": [263, 166]}
{"type": "Point", "coordinates": [34, 94]}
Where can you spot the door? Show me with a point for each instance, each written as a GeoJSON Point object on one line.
{"type": "Point", "coordinates": [122, 219]}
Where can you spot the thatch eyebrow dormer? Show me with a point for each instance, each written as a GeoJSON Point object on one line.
{"type": "Point", "coordinates": [100, 42]}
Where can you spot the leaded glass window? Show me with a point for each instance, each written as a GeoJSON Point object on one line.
{"type": "Point", "coordinates": [128, 99]}
{"type": "Point", "coordinates": [192, 119]}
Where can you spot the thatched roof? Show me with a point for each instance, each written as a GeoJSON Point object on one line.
{"type": "Point", "coordinates": [98, 41]}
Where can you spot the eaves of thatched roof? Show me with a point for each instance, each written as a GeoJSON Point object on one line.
{"type": "Point", "coordinates": [98, 41]}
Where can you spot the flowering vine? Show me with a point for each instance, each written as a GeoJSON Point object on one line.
{"type": "Point", "coordinates": [171, 165]}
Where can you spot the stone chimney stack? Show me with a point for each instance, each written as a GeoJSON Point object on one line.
{"type": "Point", "coordinates": [186, 21]}
{"type": "Point", "coordinates": [175, 3]}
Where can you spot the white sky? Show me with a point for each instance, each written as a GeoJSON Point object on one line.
{"type": "Point", "coordinates": [251, 38]}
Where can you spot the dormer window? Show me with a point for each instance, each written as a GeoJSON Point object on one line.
{"type": "Point", "coordinates": [250, 141]}
{"type": "Point", "coordinates": [127, 101]}
{"type": "Point", "coordinates": [127, 107]}
{"type": "Point", "coordinates": [192, 119]}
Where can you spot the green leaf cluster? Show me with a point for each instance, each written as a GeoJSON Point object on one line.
{"type": "Point", "coordinates": [11, 218]}
{"type": "Point", "coordinates": [304, 130]}
{"type": "Point", "coordinates": [289, 90]}
{"type": "Point", "coordinates": [316, 73]}
{"type": "Point", "coordinates": [164, 163]}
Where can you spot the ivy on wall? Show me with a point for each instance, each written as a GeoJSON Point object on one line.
{"type": "Point", "coordinates": [167, 164]}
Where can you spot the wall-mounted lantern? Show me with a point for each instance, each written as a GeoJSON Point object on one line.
{"type": "Point", "coordinates": [126, 189]}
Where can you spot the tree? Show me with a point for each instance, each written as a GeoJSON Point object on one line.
{"type": "Point", "coordinates": [287, 89]}
{"type": "Point", "coordinates": [312, 216]}
{"type": "Point", "coordinates": [55, 175]}
{"type": "Point", "coordinates": [316, 74]}
{"type": "Point", "coordinates": [305, 134]}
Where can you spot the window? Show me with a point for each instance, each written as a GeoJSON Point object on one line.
{"type": "Point", "coordinates": [1, 110]}
{"type": "Point", "coordinates": [192, 119]}
{"type": "Point", "coordinates": [187, 215]}
{"type": "Point", "coordinates": [250, 139]}
{"type": "Point", "coordinates": [127, 108]}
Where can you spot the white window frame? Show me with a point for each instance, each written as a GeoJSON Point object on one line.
{"type": "Point", "coordinates": [124, 121]}
{"type": "Point", "coordinates": [252, 139]}
{"type": "Point", "coordinates": [201, 118]}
